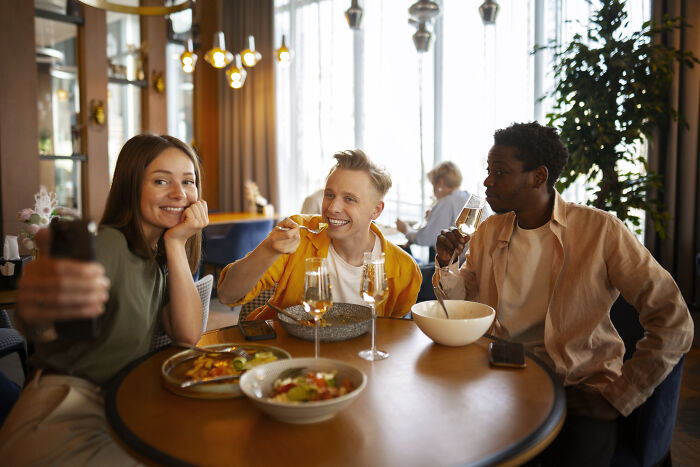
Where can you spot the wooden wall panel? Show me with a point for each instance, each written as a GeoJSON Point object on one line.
{"type": "Point", "coordinates": [19, 153]}
{"type": "Point", "coordinates": [206, 102]}
{"type": "Point", "coordinates": [92, 56]}
{"type": "Point", "coordinates": [154, 104]}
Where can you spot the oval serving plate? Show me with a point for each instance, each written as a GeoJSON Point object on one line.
{"type": "Point", "coordinates": [345, 321]}
{"type": "Point", "coordinates": [174, 368]}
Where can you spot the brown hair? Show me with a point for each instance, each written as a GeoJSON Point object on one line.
{"type": "Point", "coordinates": [448, 172]}
{"type": "Point", "coordinates": [123, 208]}
{"type": "Point", "coordinates": [356, 159]}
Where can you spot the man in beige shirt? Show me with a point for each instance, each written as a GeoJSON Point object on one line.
{"type": "Point", "coordinates": [552, 271]}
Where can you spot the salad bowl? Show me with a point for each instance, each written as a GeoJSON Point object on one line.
{"type": "Point", "coordinates": [258, 384]}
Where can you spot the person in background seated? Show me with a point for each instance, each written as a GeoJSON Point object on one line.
{"type": "Point", "coordinates": [552, 270]}
{"type": "Point", "coordinates": [449, 201]}
{"type": "Point", "coordinates": [148, 246]}
{"type": "Point", "coordinates": [353, 198]}
{"type": "Point", "coordinates": [313, 204]}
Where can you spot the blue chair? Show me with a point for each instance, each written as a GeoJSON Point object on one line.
{"type": "Point", "coordinates": [644, 437]}
{"type": "Point", "coordinates": [11, 341]}
{"type": "Point", "coordinates": [225, 243]}
{"type": "Point", "coordinates": [426, 287]}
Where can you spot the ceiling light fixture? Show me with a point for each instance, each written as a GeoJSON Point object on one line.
{"type": "Point", "coordinates": [354, 15]}
{"type": "Point", "coordinates": [236, 74]}
{"type": "Point", "coordinates": [218, 56]}
{"type": "Point", "coordinates": [188, 58]}
{"type": "Point", "coordinates": [283, 54]}
{"type": "Point", "coordinates": [421, 15]}
{"type": "Point", "coordinates": [178, 5]}
{"type": "Point", "coordinates": [251, 56]}
{"type": "Point", "coordinates": [488, 11]}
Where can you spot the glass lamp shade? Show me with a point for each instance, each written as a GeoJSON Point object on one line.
{"type": "Point", "coordinates": [188, 59]}
{"type": "Point", "coordinates": [218, 56]}
{"type": "Point", "coordinates": [236, 74]}
{"type": "Point", "coordinates": [283, 54]}
{"type": "Point", "coordinates": [354, 15]}
{"type": "Point", "coordinates": [250, 56]}
{"type": "Point", "coordinates": [422, 38]}
{"type": "Point", "coordinates": [488, 11]}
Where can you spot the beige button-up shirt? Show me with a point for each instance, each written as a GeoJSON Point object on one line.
{"type": "Point", "coordinates": [595, 259]}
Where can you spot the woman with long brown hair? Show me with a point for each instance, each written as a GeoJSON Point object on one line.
{"type": "Point", "coordinates": [148, 247]}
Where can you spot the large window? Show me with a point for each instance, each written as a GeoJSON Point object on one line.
{"type": "Point", "coordinates": [409, 111]}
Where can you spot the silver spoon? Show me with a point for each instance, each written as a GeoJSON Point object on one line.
{"type": "Point", "coordinates": [321, 227]}
{"type": "Point", "coordinates": [194, 382]}
{"type": "Point", "coordinates": [438, 294]}
{"type": "Point", "coordinates": [231, 349]}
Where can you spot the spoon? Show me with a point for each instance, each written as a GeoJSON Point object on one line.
{"type": "Point", "coordinates": [232, 349]}
{"type": "Point", "coordinates": [286, 313]}
{"type": "Point", "coordinates": [438, 294]}
{"type": "Point", "coordinates": [321, 227]}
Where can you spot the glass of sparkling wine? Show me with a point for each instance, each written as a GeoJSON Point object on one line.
{"type": "Point", "coordinates": [374, 290]}
{"type": "Point", "coordinates": [317, 293]}
{"type": "Point", "coordinates": [469, 219]}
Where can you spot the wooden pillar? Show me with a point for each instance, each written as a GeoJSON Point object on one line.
{"type": "Point", "coordinates": [19, 150]}
{"type": "Point", "coordinates": [206, 101]}
{"type": "Point", "coordinates": [92, 58]}
{"type": "Point", "coordinates": [154, 108]}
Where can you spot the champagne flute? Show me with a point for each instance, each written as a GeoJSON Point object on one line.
{"type": "Point", "coordinates": [317, 293]}
{"type": "Point", "coordinates": [468, 221]}
{"type": "Point", "coordinates": [374, 290]}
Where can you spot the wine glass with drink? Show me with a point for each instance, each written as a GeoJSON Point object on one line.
{"type": "Point", "coordinates": [317, 293]}
{"type": "Point", "coordinates": [467, 222]}
{"type": "Point", "coordinates": [374, 290]}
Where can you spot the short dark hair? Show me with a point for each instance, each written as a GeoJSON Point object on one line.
{"type": "Point", "coordinates": [123, 207]}
{"type": "Point", "coordinates": [537, 145]}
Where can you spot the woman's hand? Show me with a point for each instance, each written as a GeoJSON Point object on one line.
{"type": "Point", "coordinates": [59, 289]}
{"type": "Point", "coordinates": [401, 226]}
{"type": "Point", "coordinates": [449, 241]}
{"type": "Point", "coordinates": [284, 238]}
{"type": "Point", "coordinates": [194, 218]}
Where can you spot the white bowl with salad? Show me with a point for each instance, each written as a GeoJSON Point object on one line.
{"type": "Point", "coordinates": [303, 390]}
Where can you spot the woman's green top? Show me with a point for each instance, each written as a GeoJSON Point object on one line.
{"type": "Point", "coordinates": [136, 296]}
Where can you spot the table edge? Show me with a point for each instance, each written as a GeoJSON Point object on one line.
{"type": "Point", "coordinates": [521, 451]}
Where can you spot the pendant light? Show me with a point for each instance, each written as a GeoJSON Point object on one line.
{"type": "Point", "coordinates": [283, 54]}
{"type": "Point", "coordinates": [188, 59]}
{"type": "Point", "coordinates": [236, 74]}
{"type": "Point", "coordinates": [218, 56]}
{"type": "Point", "coordinates": [488, 11]}
{"type": "Point", "coordinates": [250, 56]}
{"type": "Point", "coordinates": [354, 15]}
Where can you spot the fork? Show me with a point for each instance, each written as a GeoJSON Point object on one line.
{"type": "Point", "coordinates": [231, 349]}
{"type": "Point", "coordinates": [321, 227]}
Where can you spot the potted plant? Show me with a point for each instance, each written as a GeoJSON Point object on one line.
{"type": "Point", "coordinates": [611, 93]}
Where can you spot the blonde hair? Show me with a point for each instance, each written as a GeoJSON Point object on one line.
{"type": "Point", "coordinates": [356, 159]}
{"type": "Point", "coordinates": [448, 172]}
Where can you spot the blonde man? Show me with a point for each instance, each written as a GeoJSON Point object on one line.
{"type": "Point", "coordinates": [353, 198]}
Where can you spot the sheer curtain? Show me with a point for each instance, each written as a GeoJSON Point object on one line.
{"type": "Point", "coordinates": [410, 111]}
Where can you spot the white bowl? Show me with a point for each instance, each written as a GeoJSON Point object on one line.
{"type": "Point", "coordinates": [257, 384]}
{"type": "Point", "coordinates": [468, 321]}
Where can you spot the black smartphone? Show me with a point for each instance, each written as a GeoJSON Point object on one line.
{"type": "Point", "coordinates": [507, 354]}
{"type": "Point", "coordinates": [76, 240]}
{"type": "Point", "coordinates": [256, 330]}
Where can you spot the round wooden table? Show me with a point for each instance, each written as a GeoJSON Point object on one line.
{"type": "Point", "coordinates": [426, 404]}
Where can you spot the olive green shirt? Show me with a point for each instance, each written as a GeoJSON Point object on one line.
{"type": "Point", "coordinates": [136, 297]}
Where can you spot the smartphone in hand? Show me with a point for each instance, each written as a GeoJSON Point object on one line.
{"type": "Point", "coordinates": [75, 240]}
{"type": "Point", "coordinates": [507, 354]}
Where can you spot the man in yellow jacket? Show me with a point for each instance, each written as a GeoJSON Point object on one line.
{"type": "Point", "coordinates": [353, 198]}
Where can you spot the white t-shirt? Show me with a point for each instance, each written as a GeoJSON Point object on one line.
{"type": "Point", "coordinates": [346, 278]}
{"type": "Point", "coordinates": [524, 300]}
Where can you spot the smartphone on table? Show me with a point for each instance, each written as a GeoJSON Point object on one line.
{"type": "Point", "coordinates": [75, 240]}
{"type": "Point", "coordinates": [257, 330]}
{"type": "Point", "coordinates": [507, 354]}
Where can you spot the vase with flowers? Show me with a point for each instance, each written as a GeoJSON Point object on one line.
{"type": "Point", "coordinates": [45, 209]}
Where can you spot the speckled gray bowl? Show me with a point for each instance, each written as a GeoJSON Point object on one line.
{"type": "Point", "coordinates": [345, 321]}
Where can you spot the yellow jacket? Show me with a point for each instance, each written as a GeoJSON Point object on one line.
{"type": "Point", "coordinates": [287, 273]}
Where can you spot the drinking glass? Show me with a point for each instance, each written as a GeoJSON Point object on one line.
{"type": "Point", "coordinates": [317, 293]}
{"type": "Point", "coordinates": [374, 290]}
{"type": "Point", "coordinates": [468, 221]}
